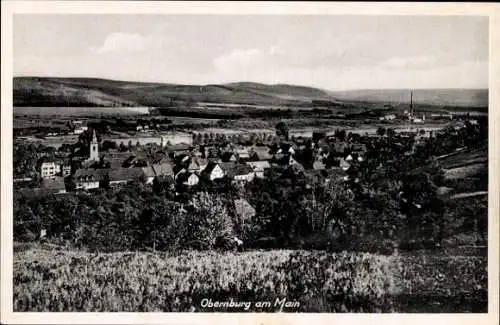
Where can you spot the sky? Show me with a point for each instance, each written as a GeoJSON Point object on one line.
{"type": "Point", "coordinates": [330, 52]}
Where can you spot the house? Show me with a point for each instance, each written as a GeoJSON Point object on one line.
{"type": "Point", "coordinates": [159, 157]}
{"type": "Point", "coordinates": [135, 161]}
{"type": "Point", "coordinates": [338, 148]}
{"type": "Point", "coordinates": [284, 148]}
{"type": "Point", "coordinates": [359, 148]}
{"type": "Point", "coordinates": [148, 174]}
{"type": "Point", "coordinates": [213, 171]}
{"type": "Point", "coordinates": [79, 127]}
{"type": "Point", "coordinates": [65, 170]}
{"type": "Point", "coordinates": [193, 166]}
{"type": "Point", "coordinates": [124, 175]}
{"type": "Point", "coordinates": [49, 169]}
{"type": "Point", "coordinates": [209, 151]}
{"type": "Point", "coordinates": [242, 154]}
{"type": "Point", "coordinates": [164, 169]}
{"type": "Point", "coordinates": [87, 179]}
{"type": "Point", "coordinates": [201, 162]}
{"type": "Point", "coordinates": [179, 174]}
{"type": "Point", "coordinates": [406, 134]}
{"type": "Point", "coordinates": [388, 117]}
{"type": "Point", "coordinates": [238, 172]}
{"type": "Point", "coordinates": [228, 156]}
{"type": "Point", "coordinates": [296, 168]}
{"type": "Point", "coordinates": [284, 160]}
{"type": "Point", "coordinates": [244, 210]}
{"type": "Point", "coordinates": [259, 154]}
{"type": "Point", "coordinates": [54, 186]}
{"type": "Point", "coordinates": [322, 148]}
{"type": "Point", "coordinates": [186, 178]}
{"type": "Point", "coordinates": [319, 165]}
{"type": "Point", "coordinates": [196, 164]}
{"type": "Point", "coordinates": [259, 167]}
{"type": "Point", "coordinates": [178, 149]}
{"type": "Point", "coordinates": [116, 159]}
{"type": "Point", "coordinates": [344, 164]}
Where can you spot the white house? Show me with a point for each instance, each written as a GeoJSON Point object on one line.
{"type": "Point", "coordinates": [187, 178]}
{"type": "Point", "coordinates": [149, 174]}
{"type": "Point", "coordinates": [50, 169]}
{"type": "Point", "coordinates": [86, 179]}
{"type": "Point", "coordinates": [344, 164]}
{"type": "Point", "coordinates": [214, 171]}
{"type": "Point", "coordinates": [259, 167]}
{"type": "Point", "coordinates": [65, 170]}
{"type": "Point", "coordinates": [191, 180]}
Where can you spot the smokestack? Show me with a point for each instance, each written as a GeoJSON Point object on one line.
{"type": "Point", "coordinates": [411, 101]}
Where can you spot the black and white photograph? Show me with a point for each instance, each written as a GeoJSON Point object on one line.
{"type": "Point", "coordinates": [249, 163]}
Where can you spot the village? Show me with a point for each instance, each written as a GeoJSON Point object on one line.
{"type": "Point", "coordinates": [239, 158]}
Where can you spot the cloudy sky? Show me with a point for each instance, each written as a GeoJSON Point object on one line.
{"type": "Point", "coordinates": [331, 52]}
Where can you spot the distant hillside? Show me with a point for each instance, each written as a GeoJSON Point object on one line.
{"type": "Point", "coordinates": [439, 97]}
{"type": "Point", "coordinates": [44, 91]}
{"type": "Point", "coordinates": [33, 91]}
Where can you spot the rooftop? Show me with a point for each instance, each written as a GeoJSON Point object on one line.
{"type": "Point", "coordinates": [234, 169]}
{"type": "Point", "coordinates": [125, 174]}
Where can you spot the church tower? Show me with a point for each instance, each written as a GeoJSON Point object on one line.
{"type": "Point", "coordinates": [94, 147]}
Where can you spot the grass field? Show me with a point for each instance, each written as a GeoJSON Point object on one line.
{"type": "Point", "coordinates": [311, 281]}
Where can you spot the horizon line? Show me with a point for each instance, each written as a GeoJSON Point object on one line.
{"type": "Point", "coordinates": [246, 81]}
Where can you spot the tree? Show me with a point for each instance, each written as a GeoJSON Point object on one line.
{"type": "Point", "coordinates": [107, 145]}
{"type": "Point", "coordinates": [282, 130]}
{"type": "Point", "coordinates": [207, 219]}
{"type": "Point", "coordinates": [122, 147]}
{"type": "Point", "coordinates": [340, 134]}
{"type": "Point", "coordinates": [381, 131]}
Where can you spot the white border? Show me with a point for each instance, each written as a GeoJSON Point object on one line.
{"type": "Point", "coordinates": [265, 8]}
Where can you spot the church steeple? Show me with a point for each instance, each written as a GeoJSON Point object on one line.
{"type": "Point", "coordinates": [94, 147]}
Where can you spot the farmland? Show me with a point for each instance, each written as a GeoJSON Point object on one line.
{"type": "Point", "coordinates": [79, 111]}
{"type": "Point", "coordinates": [58, 280]}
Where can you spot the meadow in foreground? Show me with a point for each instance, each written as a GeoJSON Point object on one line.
{"type": "Point", "coordinates": [51, 280]}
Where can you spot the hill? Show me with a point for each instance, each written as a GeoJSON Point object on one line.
{"type": "Point", "coordinates": [33, 91]}
{"type": "Point", "coordinates": [437, 97]}
{"type": "Point", "coordinates": [46, 91]}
